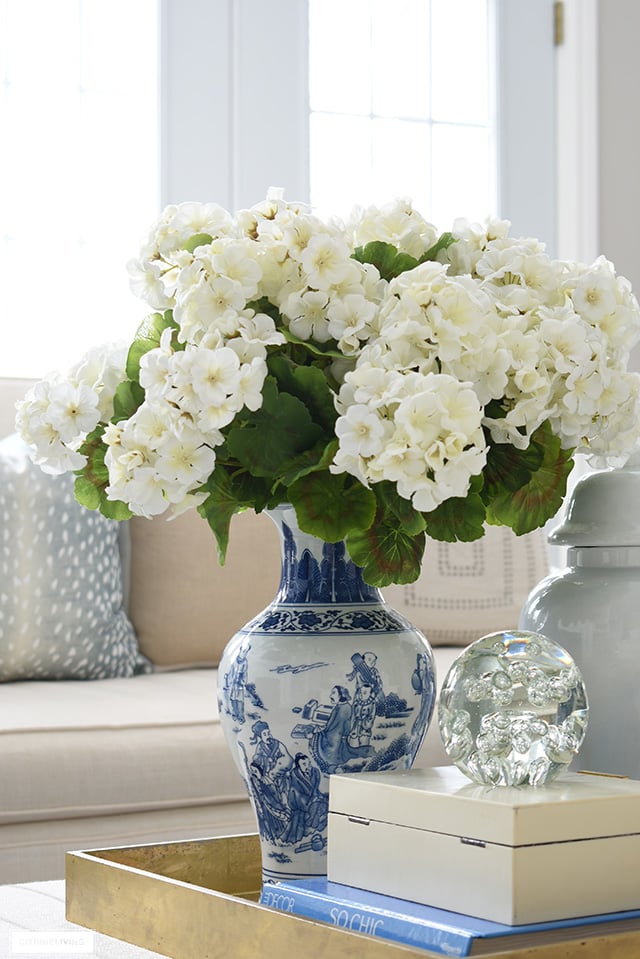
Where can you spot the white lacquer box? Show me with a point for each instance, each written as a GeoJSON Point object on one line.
{"type": "Point", "coordinates": [510, 854]}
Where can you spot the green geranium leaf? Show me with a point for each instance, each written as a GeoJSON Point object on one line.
{"type": "Point", "coordinates": [86, 493]}
{"type": "Point", "coordinates": [408, 518]}
{"type": "Point", "coordinates": [128, 397]}
{"type": "Point", "coordinates": [198, 239]}
{"type": "Point", "coordinates": [95, 451]}
{"type": "Point", "coordinates": [91, 483]}
{"type": "Point", "coordinates": [331, 505]}
{"type": "Point", "coordinates": [219, 508]}
{"type": "Point", "coordinates": [458, 518]}
{"type": "Point", "coordinates": [147, 338]}
{"type": "Point", "coordinates": [275, 434]}
{"type": "Point", "coordinates": [114, 509]}
{"type": "Point", "coordinates": [310, 385]}
{"type": "Point", "coordinates": [318, 349]}
{"type": "Point", "coordinates": [508, 469]}
{"type": "Point", "coordinates": [386, 552]}
{"type": "Point", "coordinates": [314, 460]}
{"type": "Point", "coordinates": [389, 262]}
{"type": "Point", "coordinates": [229, 494]}
{"type": "Point", "coordinates": [541, 497]}
{"type": "Point", "coordinates": [443, 243]}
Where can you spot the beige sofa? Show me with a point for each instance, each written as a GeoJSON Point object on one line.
{"type": "Point", "coordinates": [136, 759]}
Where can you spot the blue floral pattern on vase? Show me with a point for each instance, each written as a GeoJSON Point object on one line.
{"type": "Point", "coordinates": [327, 679]}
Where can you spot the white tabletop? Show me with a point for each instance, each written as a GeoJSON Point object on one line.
{"type": "Point", "coordinates": [32, 925]}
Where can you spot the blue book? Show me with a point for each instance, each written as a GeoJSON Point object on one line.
{"type": "Point", "coordinates": [449, 933]}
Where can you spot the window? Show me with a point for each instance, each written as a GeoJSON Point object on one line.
{"type": "Point", "coordinates": [78, 173]}
{"type": "Point", "coordinates": [402, 104]}
{"type": "Point", "coordinates": [109, 109]}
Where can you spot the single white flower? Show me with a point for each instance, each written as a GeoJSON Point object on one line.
{"type": "Point", "coordinates": [348, 320]}
{"type": "Point", "coordinates": [237, 261]}
{"type": "Point", "coordinates": [73, 410]}
{"type": "Point", "coordinates": [326, 261]}
{"type": "Point", "coordinates": [155, 367]}
{"type": "Point", "coordinates": [152, 424]}
{"type": "Point", "coordinates": [566, 340]}
{"type": "Point", "coordinates": [212, 418]}
{"type": "Point", "coordinates": [594, 295]}
{"type": "Point", "coordinates": [146, 283]}
{"type": "Point", "coordinates": [298, 231]}
{"type": "Point", "coordinates": [400, 462]}
{"type": "Point", "coordinates": [307, 315]}
{"type": "Point", "coordinates": [184, 459]}
{"type": "Point", "coordinates": [251, 381]}
{"type": "Point", "coordinates": [143, 492]}
{"type": "Point", "coordinates": [215, 374]}
{"type": "Point", "coordinates": [102, 368]}
{"type": "Point", "coordinates": [190, 218]}
{"type": "Point", "coordinates": [211, 304]}
{"type": "Point", "coordinates": [49, 452]}
{"type": "Point", "coordinates": [361, 432]}
{"type": "Point", "coordinates": [259, 328]}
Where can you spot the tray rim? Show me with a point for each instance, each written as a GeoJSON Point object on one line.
{"type": "Point", "coordinates": [316, 934]}
{"type": "Point", "coordinates": [377, 947]}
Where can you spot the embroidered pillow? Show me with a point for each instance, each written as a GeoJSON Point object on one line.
{"type": "Point", "coordinates": [466, 590]}
{"type": "Point", "coordinates": [62, 612]}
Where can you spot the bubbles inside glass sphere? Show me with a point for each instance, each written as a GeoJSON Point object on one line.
{"type": "Point", "coordinates": [513, 709]}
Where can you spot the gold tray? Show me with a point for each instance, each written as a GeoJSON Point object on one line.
{"type": "Point", "coordinates": [197, 900]}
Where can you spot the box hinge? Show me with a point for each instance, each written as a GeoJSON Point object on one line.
{"type": "Point", "coordinates": [472, 842]}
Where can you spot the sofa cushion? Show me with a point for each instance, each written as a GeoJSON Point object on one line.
{"type": "Point", "coordinates": [148, 742]}
{"type": "Point", "coordinates": [185, 606]}
{"type": "Point", "coordinates": [62, 596]}
{"type": "Point", "coordinates": [467, 590]}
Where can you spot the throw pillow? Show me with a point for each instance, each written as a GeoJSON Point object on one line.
{"type": "Point", "coordinates": [467, 590]}
{"type": "Point", "coordinates": [62, 612]}
{"type": "Point", "coordinates": [184, 605]}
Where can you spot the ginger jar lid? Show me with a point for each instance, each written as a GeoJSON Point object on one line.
{"type": "Point", "coordinates": [603, 510]}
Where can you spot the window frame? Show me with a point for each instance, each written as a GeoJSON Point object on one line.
{"type": "Point", "coordinates": [547, 166]}
{"type": "Point", "coordinates": [214, 64]}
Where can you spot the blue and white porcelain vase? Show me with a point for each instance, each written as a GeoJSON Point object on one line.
{"type": "Point", "coordinates": [326, 679]}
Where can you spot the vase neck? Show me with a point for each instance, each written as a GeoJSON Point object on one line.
{"type": "Point", "coordinates": [314, 571]}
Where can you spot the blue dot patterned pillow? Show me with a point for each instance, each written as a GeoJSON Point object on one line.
{"type": "Point", "coordinates": [62, 612]}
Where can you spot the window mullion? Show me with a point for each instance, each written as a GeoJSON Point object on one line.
{"type": "Point", "coordinates": [271, 99]}
{"type": "Point", "coordinates": [195, 102]}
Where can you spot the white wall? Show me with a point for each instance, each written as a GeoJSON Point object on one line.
{"type": "Point", "coordinates": [619, 139]}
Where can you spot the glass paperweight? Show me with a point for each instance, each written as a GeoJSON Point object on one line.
{"type": "Point", "coordinates": [513, 710]}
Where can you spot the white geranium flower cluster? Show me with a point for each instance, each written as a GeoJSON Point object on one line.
{"type": "Point", "coordinates": [275, 250]}
{"type": "Point", "coordinates": [563, 336]}
{"type": "Point", "coordinates": [396, 223]}
{"type": "Point", "coordinates": [161, 455]}
{"type": "Point", "coordinates": [59, 412]}
{"type": "Point", "coordinates": [412, 410]}
{"type": "Point", "coordinates": [421, 431]}
{"type": "Point", "coordinates": [497, 320]}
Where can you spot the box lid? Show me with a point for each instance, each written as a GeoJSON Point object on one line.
{"type": "Point", "coordinates": [442, 799]}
